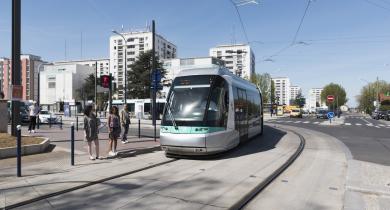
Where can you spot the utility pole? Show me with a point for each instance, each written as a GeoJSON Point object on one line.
{"type": "Point", "coordinates": [153, 71]}
{"type": "Point", "coordinates": [16, 70]}
{"type": "Point", "coordinates": [377, 92]}
{"type": "Point", "coordinates": [96, 86]}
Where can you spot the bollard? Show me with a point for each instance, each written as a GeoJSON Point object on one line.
{"type": "Point", "coordinates": [61, 123]}
{"type": "Point", "coordinates": [77, 123]}
{"type": "Point", "coordinates": [139, 128]}
{"type": "Point", "coordinates": [19, 151]}
{"type": "Point", "coordinates": [72, 144]}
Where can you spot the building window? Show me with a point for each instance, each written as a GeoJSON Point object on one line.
{"type": "Point", "coordinates": [130, 39]}
{"type": "Point", "coordinates": [52, 84]}
{"type": "Point", "coordinates": [131, 46]}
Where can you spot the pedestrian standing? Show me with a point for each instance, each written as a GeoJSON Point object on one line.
{"type": "Point", "coordinates": [114, 131]}
{"type": "Point", "coordinates": [91, 131]}
{"type": "Point", "coordinates": [125, 122]}
{"type": "Point", "coordinates": [33, 113]}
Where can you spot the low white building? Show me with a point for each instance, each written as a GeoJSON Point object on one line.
{"type": "Point", "coordinates": [59, 82]}
{"type": "Point", "coordinates": [101, 66]}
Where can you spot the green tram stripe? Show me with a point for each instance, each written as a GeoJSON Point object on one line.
{"type": "Point", "coordinates": [190, 130]}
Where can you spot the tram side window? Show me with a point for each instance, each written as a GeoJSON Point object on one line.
{"type": "Point", "coordinates": [217, 112]}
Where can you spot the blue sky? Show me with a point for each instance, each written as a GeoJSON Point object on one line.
{"type": "Point", "coordinates": [348, 41]}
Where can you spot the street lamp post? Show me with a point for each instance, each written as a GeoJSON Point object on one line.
{"type": "Point", "coordinates": [125, 63]}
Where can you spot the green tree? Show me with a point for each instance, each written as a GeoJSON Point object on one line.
{"type": "Point", "coordinates": [262, 81]}
{"type": "Point", "coordinates": [368, 94]}
{"type": "Point", "coordinates": [87, 92]}
{"type": "Point", "coordinates": [87, 89]}
{"type": "Point", "coordinates": [340, 96]}
{"type": "Point", "coordinates": [138, 76]}
{"type": "Point", "coordinates": [272, 92]}
{"type": "Point", "coordinates": [299, 100]}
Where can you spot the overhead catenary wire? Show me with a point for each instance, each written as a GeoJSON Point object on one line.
{"type": "Point", "coordinates": [377, 5]}
{"type": "Point", "coordinates": [293, 42]}
{"type": "Point", "coordinates": [241, 22]}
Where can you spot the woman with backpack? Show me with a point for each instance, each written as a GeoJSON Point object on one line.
{"type": "Point", "coordinates": [114, 131]}
{"type": "Point", "coordinates": [91, 130]}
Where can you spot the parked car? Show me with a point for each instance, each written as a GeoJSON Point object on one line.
{"type": "Point", "coordinates": [47, 117]}
{"type": "Point", "coordinates": [296, 113]}
{"type": "Point", "coordinates": [382, 114]}
{"type": "Point", "coordinates": [24, 116]}
{"type": "Point", "coordinates": [305, 114]}
{"type": "Point", "coordinates": [323, 114]}
{"type": "Point", "coordinates": [387, 116]}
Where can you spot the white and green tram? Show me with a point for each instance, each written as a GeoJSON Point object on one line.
{"type": "Point", "coordinates": [209, 110]}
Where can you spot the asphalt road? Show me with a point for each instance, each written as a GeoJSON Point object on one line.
{"type": "Point", "coordinates": [367, 139]}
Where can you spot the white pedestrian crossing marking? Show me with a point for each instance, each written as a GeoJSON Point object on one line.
{"type": "Point", "coordinates": [316, 122]}
{"type": "Point", "coordinates": [381, 125]}
{"type": "Point", "coordinates": [306, 122]}
{"type": "Point", "coordinates": [297, 121]}
{"type": "Point", "coordinates": [347, 123]}
{"type": "Point", "coordinates": [369, 125]}
{"type": "Point", "coordinates": [358, 124]}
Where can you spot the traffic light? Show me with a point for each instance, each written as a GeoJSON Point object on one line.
{"type": "Point", "coordinates": [105, 81]}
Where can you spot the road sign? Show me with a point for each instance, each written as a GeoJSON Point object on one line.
{"type": "Point", "coordinates": [330, 115]}
{"type": "Point", "coordinates": [330, 98]}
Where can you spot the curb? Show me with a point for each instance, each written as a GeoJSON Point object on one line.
{"type": "Point", "coordinates": [246, 198]}
{"type": "Point", "coordinates": [26, 149]}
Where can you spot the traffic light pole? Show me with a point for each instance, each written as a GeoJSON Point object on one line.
{"type": "Point", "coordinates": [16, 70]}
{"type": "Point", "coordinates": [153, 72]}
{"type": "Point", "coordinates": [110, 93]}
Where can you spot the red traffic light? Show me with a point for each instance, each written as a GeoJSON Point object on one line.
{"type": "Point", "coordinates": [105, 81]}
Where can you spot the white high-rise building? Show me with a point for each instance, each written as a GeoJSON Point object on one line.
{"type": "Point", "coordinates": [294, 91]}
{"type": "Point", "coordinates": [239, 58]}
{"type": "Point", "coordinates": [136, 42]}
{"type": "Point", "coordinates": [103, 65]}
{"type": "Point", "coordinates": [282, 90]}
{"type": "Point", "coordinates": [315, 98]}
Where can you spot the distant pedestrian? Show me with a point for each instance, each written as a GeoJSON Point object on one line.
{"type": "Point", "coordinates": [33, 113]}
{"type": "Point", "coordinates": [114, 131]}
{"type": "Point", "coordinates": [125, 122]}
{"type": "Point", "coordinates": [271, 110]}
{"type": "Point", "coordinates": [91, 131]}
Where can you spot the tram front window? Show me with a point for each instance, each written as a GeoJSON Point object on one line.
{"type": "Point", "coordinates": [188, 103]}
{"type": "Point", "coordinates": [190, 97]}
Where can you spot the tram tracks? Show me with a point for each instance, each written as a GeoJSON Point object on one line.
{"type": "Point", "coordinates": [241, 203]}
{"type": "Point", "coordinates": [88, 184]}
{"type": "Point", "coordinates": [246, 199]}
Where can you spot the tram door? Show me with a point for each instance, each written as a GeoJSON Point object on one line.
{"type": "Point", "coordinates": [241, 107]}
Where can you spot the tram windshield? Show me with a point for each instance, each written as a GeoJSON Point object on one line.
{"type": "Point", "coordinates": [190, 102]}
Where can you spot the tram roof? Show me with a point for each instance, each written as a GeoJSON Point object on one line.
{"type": "Point", "coordinates": [215, 71]}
